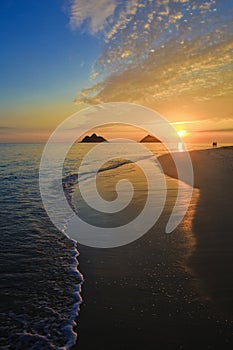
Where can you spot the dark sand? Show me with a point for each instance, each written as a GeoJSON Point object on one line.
{"type": "Point", "coordinates": [213, 223]}
{"type": "Point", "coordinates": [143, 295]}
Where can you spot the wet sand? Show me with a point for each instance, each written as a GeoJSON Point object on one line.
{"type": "Point", "coordinates": [144, 295]}
{"type": "Point", "coordinates": [213, 223]}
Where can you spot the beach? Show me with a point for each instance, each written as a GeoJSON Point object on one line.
{"type": "Point", "coordinates": [213, 224]}
{"type": "Point", "coordinates": [167, 291]}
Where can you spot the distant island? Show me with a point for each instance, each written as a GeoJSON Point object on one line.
{"type": "Point", "coordinates": [150, 138]}
{"type": "Point", "coordinates": [93, 138]}
{"type": "Point", "coordinates": [96, 138]}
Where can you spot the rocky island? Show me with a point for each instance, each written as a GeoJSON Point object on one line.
{"type": "Point", "coordinates": [93, 138]}
{"type": "Point", "coordinates": [150, 138]}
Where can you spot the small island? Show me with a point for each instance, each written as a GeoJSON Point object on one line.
{"type": "Point", "coordinates": [150, 138]}
{"type": "Point", "coordinates": [93, 138]}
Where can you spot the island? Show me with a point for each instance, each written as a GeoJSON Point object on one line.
{"type": "Point", "coordinates": [93, 138]}
{"type": "Point", "coordinates": [150, 138]}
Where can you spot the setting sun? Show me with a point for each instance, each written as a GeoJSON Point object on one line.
{"type": "Point", "coordinates": [182, 133]}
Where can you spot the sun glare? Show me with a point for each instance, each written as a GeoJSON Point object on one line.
{"type": "Point", "coordinates": [182, 133]}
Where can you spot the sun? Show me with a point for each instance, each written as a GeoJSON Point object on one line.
{"type": "Point", "coordinates": [182, 133]}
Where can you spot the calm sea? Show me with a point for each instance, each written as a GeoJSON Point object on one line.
{"type": "Point", "coordinates": [40, 281]}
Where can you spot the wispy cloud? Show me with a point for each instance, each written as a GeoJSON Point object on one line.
{"type": "Point", "coordinates": [95, 13]}
{"type": "Point", "coordinates": [6, 128]}
{"type": "Point", "coordinates": [218, 130]}
{"type": "Point", "coordinates": [159, 52]}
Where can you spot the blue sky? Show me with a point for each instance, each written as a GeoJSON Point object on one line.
{"type": "Point", "coordinates": [41, 57]}
{"type": "Point", "coordinates": [174, 56]}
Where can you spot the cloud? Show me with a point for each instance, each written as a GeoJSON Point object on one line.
{"type": "Point", "coordinates": [6, 128]}
{"type": "Point", "coordinates": [218, 130]}
{"type": "Point", "coordinates": [175, 17]}
{"type": "Point", "coordinates": [96, 13]}
{"type": "Point", "coordinates": [160, 53]}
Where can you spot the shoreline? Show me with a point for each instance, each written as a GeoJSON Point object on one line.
{"type": "Point", "coordinates": [141, 295]}
{"type": "Point", "coordinates": [212, 224]}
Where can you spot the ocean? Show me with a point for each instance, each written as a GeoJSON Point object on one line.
{"type": "Point", "coordinates": [40, 281]}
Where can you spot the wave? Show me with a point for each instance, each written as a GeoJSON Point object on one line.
{"type": "Point", "coordinates": [41, 284]}
{"type": "Point", "coordinates": [72, 179]}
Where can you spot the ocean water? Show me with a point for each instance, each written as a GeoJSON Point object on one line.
{"type": "Point", "coordinates": [40, 283]}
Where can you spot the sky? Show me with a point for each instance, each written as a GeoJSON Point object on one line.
{"type": "Point", "coordinates": [59, 56]}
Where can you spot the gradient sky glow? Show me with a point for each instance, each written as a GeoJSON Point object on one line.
{"type": "Point", "coordinates": [175, 56]}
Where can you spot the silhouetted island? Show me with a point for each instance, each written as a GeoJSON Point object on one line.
{"type": "Point", "coordinates": [150, 138]}
{"type": "Point", "coordinates": [93, 138]}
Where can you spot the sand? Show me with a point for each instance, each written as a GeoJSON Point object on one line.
{"type": "Point", "coordinates": [213, 222]}
{"type": "Point", "coordinates": [167, 291]}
